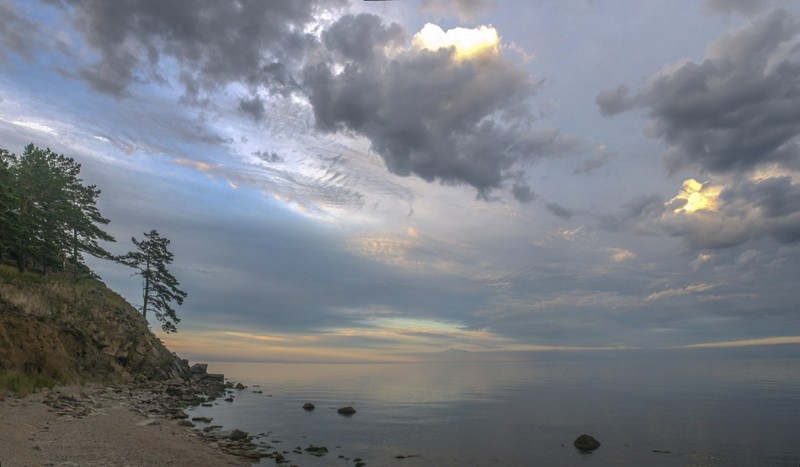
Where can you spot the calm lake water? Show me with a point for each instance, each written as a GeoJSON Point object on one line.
{"type": "Point", "coordinates": [669, 408]}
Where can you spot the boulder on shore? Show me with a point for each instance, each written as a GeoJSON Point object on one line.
{"type": "Point", "coordinates": [347, 410]}
{"type": "Point", "coordinates": [238, 435]}
{"type": "Point", "coordinates": [308, 406]}
{"type": "Point", "coordinates": [586, 443]}
{"type": "Point", "coordinates": [199, 368]}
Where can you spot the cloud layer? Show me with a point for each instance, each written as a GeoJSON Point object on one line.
{"type": "Point", "coordinates": [430, 111]}
{"type": "Point", "coordinates": [732, 114]}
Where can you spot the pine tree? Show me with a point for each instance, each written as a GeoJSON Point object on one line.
{"type": "Point", "coordinates": [159, 286]}
{"type": "Point", "coordinates": [53, 214]}
{"type": "Point", "coordinates": [8, 203]}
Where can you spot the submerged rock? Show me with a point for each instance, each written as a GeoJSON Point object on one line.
{"type": "Point", "coordinates": [308, 406]}
{"type": "Point", "coordinates": [586, 443]}
{"type": "Point", "coordinates": [347, 410]}
{"type": "Point", "coordinates": [318, 451]}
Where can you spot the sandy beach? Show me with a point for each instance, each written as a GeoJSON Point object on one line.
{"type": "Point", "coordinates": [97, 426]}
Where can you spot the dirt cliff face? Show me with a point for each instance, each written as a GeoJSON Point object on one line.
{"type": "Point", "coordinates": [70, 331]}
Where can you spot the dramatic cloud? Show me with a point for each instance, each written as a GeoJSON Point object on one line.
{"type": "Point", "coordinates": [708, 216]}
{"type": "Point", "coordinates": [614, 101]}
{"type": "Point", "coordinates": [523, 193]}
{"type": "Point", "coordinates": [736, 109]}
{"type": "Point", "coordinates": [559, 210]}
{"type": "Point", "coordinates": [16, 32]}
{"type": "Point", "coordinates": [733, 115]}
{"type": "Point", "coordinates": [450, 108]}
{"type": "Point", "coordinates": [212, 43]}
{"type": "Point", "coordinates": [268, 157]}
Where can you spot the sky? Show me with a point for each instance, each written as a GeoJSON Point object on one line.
{"type": "Point", "coordinates": [351, 180]}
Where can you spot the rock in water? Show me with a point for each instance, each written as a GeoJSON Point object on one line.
{"type": "Point", "coordinates": [308, 406]}
{"type": "Point", "coordinates": [238, 435]}
{"type": "Point", "coordinates": [586, 443]}
{"type": "Point", "coordinates": [347, 410]}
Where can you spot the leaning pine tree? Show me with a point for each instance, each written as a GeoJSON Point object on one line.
{"type": "Point", "coordinates": [159, 287]}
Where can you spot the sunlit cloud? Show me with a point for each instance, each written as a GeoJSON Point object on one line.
{"type": "Point", "coordinates": [695, 196]}
{"type": "Point", "coordinates": [467, 43]}
{"type": "Point", "coordinates": [774, 171]}
{"type": "Point", "coordinates": [35, 126]}
{"type": "Point", "coordinates": [620, 255]}
{"type": "Point", "coordinates": [677, 292]}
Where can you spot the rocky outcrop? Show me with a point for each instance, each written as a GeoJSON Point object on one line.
{"type": "Point", "coordinates": [70, 331]}
{"type": "Point", "coordinates": [586, 443]}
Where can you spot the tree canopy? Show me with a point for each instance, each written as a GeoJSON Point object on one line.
{"type": "Point", "coordinates": [47, 214]}
{"type": "Point", "coordinates": [159, 286]}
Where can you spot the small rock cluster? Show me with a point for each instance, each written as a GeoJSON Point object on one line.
{"type": "Point", "coordinates": [167, 399]}
{"type": "Point", "coordinates": [71, 406]}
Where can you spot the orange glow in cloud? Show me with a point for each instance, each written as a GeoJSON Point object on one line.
{"type": "Point", "coordinates": [746, 343]}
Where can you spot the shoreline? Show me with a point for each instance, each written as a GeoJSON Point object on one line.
{"type": "Point", "coordinates": [129, 424]}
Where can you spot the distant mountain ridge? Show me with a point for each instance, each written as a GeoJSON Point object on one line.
{"type": "Point", "coordinates": [77, 331]}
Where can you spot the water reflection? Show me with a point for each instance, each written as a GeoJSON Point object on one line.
{"type": "Point", "coordinates": [662, 410]}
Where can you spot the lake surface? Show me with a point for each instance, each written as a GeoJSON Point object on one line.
{"type": "Point", "coordinates": [669, 408]}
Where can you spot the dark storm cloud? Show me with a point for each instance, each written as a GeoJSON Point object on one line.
{"type": "Point", "coordinates": [522, 193]}
{"type": "Point", "coordinates": [268, 157]}
{"type": "Point", "coordinates": [426, 113]}
{"type": "Point", "coordinates": [17, 33]}
{"type": "Point", "coordinates": [614, 101]}
{"type": "Point", "coordinates": [465, 9]}
{"type": "Point", "coordinates": [361, 38]}
{"type": "Point", "coordinates": [734, 110]}
{"type": "Point", "coordinates": [730, 114]}
{"type": "Point", "coordinates": [252, 107]}
{"type": "Point", "coordinates": [213, 43]}
{"type": "Point", "coordinates": [777, 202]}
{"type": "Point", "coordinates": [559, 210]}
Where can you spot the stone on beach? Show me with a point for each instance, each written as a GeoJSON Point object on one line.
{"type": "Point", "coordinates": [586, 443]}
{"type": "Point", "coordinates": [237, 435]}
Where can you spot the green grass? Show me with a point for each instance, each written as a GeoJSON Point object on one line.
{"type": "Point", "coordinates": [21, 384]}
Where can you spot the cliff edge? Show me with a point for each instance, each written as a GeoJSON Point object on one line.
{"type": "Point", "coordinates": [77, 331]}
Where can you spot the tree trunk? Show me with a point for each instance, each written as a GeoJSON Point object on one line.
{"type": "Point", "coordinates": [146, 289]}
